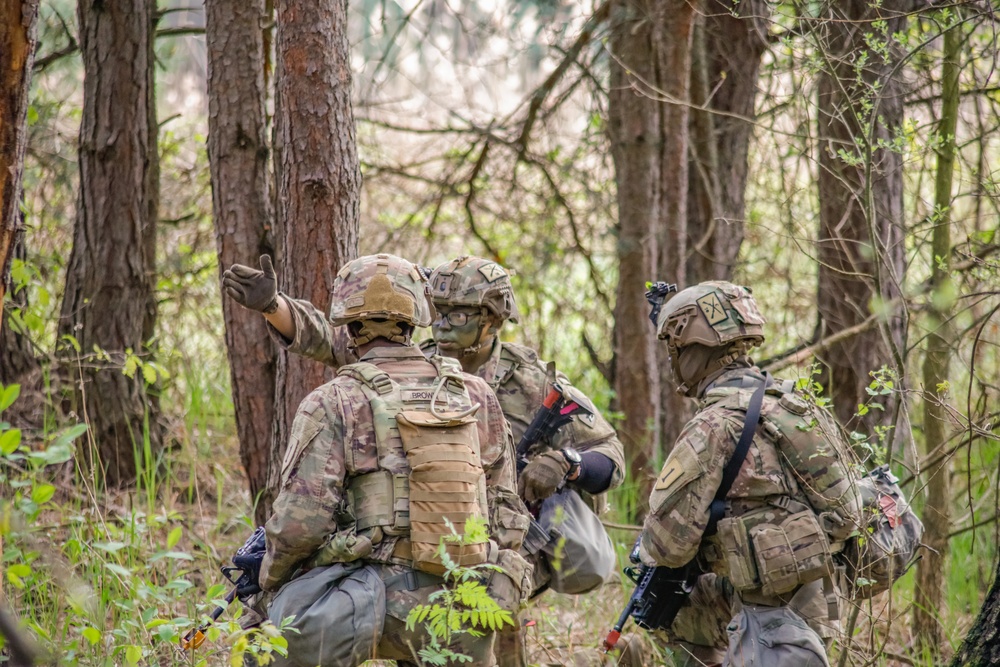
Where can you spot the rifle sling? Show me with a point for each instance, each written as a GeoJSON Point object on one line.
{"type": "Point", "coordinates": [718, 507]}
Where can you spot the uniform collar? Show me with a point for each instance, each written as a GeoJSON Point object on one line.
{"type": "Point", "coordinates": [488, 370]}
{"type": "Point", "coordinates": [731, 381]}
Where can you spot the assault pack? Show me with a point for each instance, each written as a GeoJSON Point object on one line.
{"type": "Point", "coordinates": [431, 422]}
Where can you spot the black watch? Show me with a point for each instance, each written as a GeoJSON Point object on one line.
{"type": "Point", "coordinates": [573, 458]}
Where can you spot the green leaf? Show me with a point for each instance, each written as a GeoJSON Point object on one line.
{"type": "Point", "coordinates": [148, 374]}
{"type": "Point", "coordinates": [92, 635]}
{"type": "Point", "coordinates": [9, 441]}
{"type": "Point", "coordinates": [131, 363]}
{"type": "Point", "coordinates": [174, 537]}
{"type": "Point", "coordinates": [43, 493]}
{"type": "Point", "coordinates": [133, 654]}
{"type": "Point", "coordinates": [172, 555]}
{"type": "Point", "coordinates": [122, 572]}
{"type": "Point", "coordinates": [9, 395]}
{"type": "Point", "coordinates": [110, 547]}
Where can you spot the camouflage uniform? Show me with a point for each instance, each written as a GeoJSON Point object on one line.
{"type": "Point", "coordinates": [798, 465]}
{"type": "Point", "coordinates": [329, 536]}
{"type": "Point", "coordinates": [521, 381]}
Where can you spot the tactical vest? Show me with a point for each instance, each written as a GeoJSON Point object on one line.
{"type": "Point", "coordinates": [778, 542]}
{"type": "Point", "coordinates": [429, 422]}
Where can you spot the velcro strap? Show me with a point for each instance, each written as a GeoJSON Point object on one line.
{"type": "Point", "coordinates": [442, 476]}
{"type": "Point", "coordinates": [411, 580]}
{"type": "Point", "coordinates": [443, 454]}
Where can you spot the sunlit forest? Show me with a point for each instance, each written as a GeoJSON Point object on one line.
{"type": "Point", "coordinates": [839, 158]}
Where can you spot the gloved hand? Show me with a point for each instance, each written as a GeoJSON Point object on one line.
{"type": "Point", "coordinates": [542, 476]}
{"type": "Point", "coordinates": [253, 289]}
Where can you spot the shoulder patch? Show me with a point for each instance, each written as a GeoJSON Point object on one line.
{"type": "Point", "coordinates": [712, 308]}
{"type": "Point", "coordinates": [492, 272]}
{"type": "Point", "coordinates": [670, 474]}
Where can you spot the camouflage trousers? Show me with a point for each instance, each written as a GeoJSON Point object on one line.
{"type": "Point", "coordinates": [716, 626]}
{"type": "Point", "coordinates": [348, 613]}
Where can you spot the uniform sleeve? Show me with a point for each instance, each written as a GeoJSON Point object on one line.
{"type": "Point", "coordinates": [314, 336]}
{"type": "Point", "coordinates": [312, 487]}
{"type": "Point", "coordinates": [593, 434]}
{"type": "Point", "coordinates": [682, 493]}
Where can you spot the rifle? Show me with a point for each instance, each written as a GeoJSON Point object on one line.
{"type": "Point", "coordinates": [659, 595]}
{"type": "Point", "coordinates": [243, 574]}
{"type": "Point", "coordinates": [561, 404]}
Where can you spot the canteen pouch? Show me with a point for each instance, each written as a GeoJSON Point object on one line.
{"type": "Point", "coordinates": [447, 486]}
{"type": "Point", "coordinates": [510, 584]}
{"type": "Point", "coordinates": [792, 553]}
{"type": "Point", "coordinates": [737, 552]}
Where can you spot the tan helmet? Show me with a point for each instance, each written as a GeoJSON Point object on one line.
{"type": "Point", "coordinates": [714, 314]}
{"type": "Point", "coordinates": [380, 287]}
{"type": "Point", "coordinates": [474, 281]}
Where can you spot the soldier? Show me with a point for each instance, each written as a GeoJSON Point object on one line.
{"type": "Point", "coordinates": [351, 549]}
{"type": "Point", "coordinates": [789, 509]}
{"type": "Point", "coordinates": [473, 298]}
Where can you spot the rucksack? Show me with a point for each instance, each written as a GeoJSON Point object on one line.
{"type": "Point", "coordinates": [888, 538]}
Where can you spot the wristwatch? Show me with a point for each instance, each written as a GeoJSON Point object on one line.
{"type": "Point", "coordinates": [573, 458]}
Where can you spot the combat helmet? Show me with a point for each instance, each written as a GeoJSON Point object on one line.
{"type": "Point", "coordinates": [380, 287]}
{"type": "Point", "coordinates": [714, 314]}
{"type": "Point", "coordinates": [474, 281]}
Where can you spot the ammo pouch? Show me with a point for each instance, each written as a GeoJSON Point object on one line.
{"type": "Point", "coordinates": [775, 558]}
{"type": "Point", "coordinates": [447, 486]}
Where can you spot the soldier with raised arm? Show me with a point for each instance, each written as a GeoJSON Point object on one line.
{"type": "Point", "coordinates": [567, 474]}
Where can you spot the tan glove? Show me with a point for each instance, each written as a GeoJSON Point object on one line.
{"type": "Point", "coordinates": [542, 476]}
{"type": "Point", "coordinates": [253, 289]}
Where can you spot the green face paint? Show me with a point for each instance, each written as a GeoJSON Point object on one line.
{"type": "Point", "coordinates": [456, 328]}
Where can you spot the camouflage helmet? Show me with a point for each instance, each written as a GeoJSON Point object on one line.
{"type": "Point", "coordinates": [713, 314]}
{"type": "Point", "coordinates": [474, 281]}
{"type": "Point", "coordinates": [380, 287]}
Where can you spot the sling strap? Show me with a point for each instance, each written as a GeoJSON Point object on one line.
{"type": "Point", "coordinates": [718, 507]}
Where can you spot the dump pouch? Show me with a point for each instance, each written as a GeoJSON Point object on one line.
{"type": "Point", "coordinates": [510, 585]}
{"type": "Point", "coordinates": [446, 485]}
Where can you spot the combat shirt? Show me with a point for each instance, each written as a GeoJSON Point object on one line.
{"type": "Point", "coordinates": [333, 438]}
{"type": "Point", "coordinates": [520, 379]}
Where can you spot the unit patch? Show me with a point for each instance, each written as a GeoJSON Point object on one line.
{"type": "Point", "coordinates": [712, 308]}
{"type": "Point", "coordinates": [492, 272]}
{"type": "Point", "coordinates": [670, 474]}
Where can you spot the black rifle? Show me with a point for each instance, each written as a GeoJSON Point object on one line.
{"type": "Point", "coordinates": [559, 407]}
{"type": "Point", "coordinates": [243, 574]}
{"type": "Point", "coordinates": [659, 594]}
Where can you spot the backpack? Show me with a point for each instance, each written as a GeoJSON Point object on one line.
{"type": "Point", "coordinates": [888, 538]}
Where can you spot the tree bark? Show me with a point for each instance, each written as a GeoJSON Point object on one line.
{"type": "Point", "coordinates": [18, 22]}
{"type": "Point", "coordinates": [318, 176]}
{"type": "Point", "coordinates": [648, 117]}
{"type": "Point", "coordinates": [861, 203]}
{"type": "Point", "coordinates": [929, 585]}
{"type": "Point", "coordinates": [634, 130]}
{"type": "Point", "coordinates": [243, 212]}
{"type": "Point", "coordinates": [981, 647]}
{"type": "Point", "coordinates": [674, 33]}
{"type": "Point", "coordinates": [109, 301]}
{"type": "Point", "coordinates": [727, 49]}
{"type": "Point", "coordinates": [18, 26]}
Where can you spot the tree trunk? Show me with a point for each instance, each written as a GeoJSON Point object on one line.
{"type": "Point", "coordinates": [981, 647]}
{"type": "Point", "coordinates": [243, 211]}
{"type": "Point", "coordinates": [634, 129]}
{"type": "Point", "coordinates": [674, 32]}
{"type": "Point", "coordinates": [861, 232]}
{"type": "Point", "coordinates": [18, 19]}
{"type": "Point", "coordinates": [726, 53]}
{"type": "Point", "coordinates": [109, 301]}
{"type": "Point", "coordinates": [18, 364]}
{"type": "Point", "coordinates": [648, 116]}
{"type": "Point", "coordinates": [929, 588]}
{"type": "Point", "coordinates": [318, 176]}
